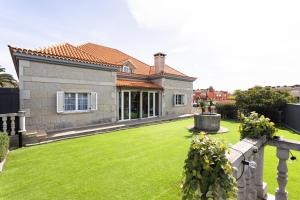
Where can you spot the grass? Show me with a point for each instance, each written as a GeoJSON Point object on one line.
{"type": "Point", "coordinates": [139, 163]}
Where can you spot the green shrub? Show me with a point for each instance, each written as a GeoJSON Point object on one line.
{"type": "Point", "coordinates": [263, 100]}
{"type": "Point", "coordinates": [207, 172]}
{"type": "Point", "coordinates": [254, 126]}
{"type": "Point", "coordinates": [3, 145]}
{"type": "Point", "coordinates": [227, 111]}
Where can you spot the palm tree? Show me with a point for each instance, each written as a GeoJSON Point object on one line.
{"type": "Point", "coordinates": [6, 80]}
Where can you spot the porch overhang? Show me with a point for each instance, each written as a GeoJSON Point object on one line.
{"type": "Point", "coordinates": [138, 84]}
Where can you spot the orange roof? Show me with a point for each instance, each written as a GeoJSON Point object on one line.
{"type": "Point", "coordinates": [115, 56]}
{"type": "Point", "coordinates": [137, 84]}
{"type": "Point", "coordinates": [63, 51]}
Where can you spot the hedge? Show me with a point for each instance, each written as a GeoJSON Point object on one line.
{"type": "Point", "coordinates": [3, 145]}
{"type": "Point", "coordinates": [228, 110]}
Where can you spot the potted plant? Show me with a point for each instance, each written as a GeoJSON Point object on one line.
{"type": "Point", "coordinates": [210, 106]}
{"type": "Point", "coordinates": [202, 105]}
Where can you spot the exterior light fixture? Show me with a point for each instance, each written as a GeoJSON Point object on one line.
{"type": "Point", "coordinates": [251, 164]}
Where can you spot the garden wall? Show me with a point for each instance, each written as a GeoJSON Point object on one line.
{"type": "Point", "coordinates": [292, 117]}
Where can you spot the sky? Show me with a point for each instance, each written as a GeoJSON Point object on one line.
{"type": "Point", "coordinates": [232, 44]}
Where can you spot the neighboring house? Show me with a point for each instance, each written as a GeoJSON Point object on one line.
{"type": "Point", "coordinates": [294, 90]}
{"type": "Point", "coordinates": [68, 86]}
{"type": "Point", "coordinates": [210, 94]}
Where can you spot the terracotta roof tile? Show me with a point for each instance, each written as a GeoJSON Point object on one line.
{"type": "Point", "coordinates": [137, 84]}
{"type": "Point", "coordinates": [63, 51]}
{"type": "Point", "coordinates": [115, 56]}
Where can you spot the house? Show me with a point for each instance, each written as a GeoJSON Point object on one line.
{"type": "Point", "coordinates": [210, 94]}
{"type": "Point", "coordinates": [67, 86]}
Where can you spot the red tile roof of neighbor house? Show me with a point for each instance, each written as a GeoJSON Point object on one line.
{"type": "Point", "coordinates": [63, 51]}
{"type": "Point", "coordinates": [137, 84]}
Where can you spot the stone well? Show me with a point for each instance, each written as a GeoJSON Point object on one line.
{"type": "Point", "coordinates": [207, 122]}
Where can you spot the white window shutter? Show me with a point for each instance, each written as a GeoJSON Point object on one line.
{"type": "Point", "coordinates": [94, 101]}
{"type": "Point", "coordinates": [174, 99]}
{"type": "Point", "coordinates": [185, 99]}
{"type": "Point", "coordinates": [60, 101]}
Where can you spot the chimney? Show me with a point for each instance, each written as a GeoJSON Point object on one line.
{"type": "Point", "coordinates": [159, 62]}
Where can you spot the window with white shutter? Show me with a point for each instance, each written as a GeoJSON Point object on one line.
{"type": "Point", "coordinates": [179, 99]}
{"type": "Point", "coordinates": [70, 102]}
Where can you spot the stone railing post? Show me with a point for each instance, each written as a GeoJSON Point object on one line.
{"type": "Point", "coordinates": [21, 115]}
{"type": "Point", "coordinates": [241, 184]}
{"type": "Point", "coordinates": [261, 191]}
{"type": "Point", "coordinates": [12, 125]}
{"type": "Point", "coordinates": [4, 123]}
{"type": "Point", "coordinates": [282, 176]}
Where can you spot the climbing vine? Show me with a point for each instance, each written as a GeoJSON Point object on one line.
{"type": "Point", "coordinates": [207, 173]}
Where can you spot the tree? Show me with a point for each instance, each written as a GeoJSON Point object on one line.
{"type": "Point", "coordinates": [7, 80]}
{"type": "Point", "coordinates": [263, 100]}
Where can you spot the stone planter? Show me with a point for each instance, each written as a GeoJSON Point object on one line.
{"type": "Point", "coordinates": [207, 122]}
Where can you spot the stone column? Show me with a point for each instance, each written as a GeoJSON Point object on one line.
{"type": "Point", "coordinates": [282, 176]}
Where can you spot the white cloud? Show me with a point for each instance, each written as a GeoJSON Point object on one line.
{"type": "Point", "coordinates": [236, 44]}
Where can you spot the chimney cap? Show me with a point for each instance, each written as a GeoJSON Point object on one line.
{"type": "Point", "coordinates": [160, 54]}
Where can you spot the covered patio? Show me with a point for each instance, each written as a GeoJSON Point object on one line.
{"type": "Point", "coordinates": [138, 99]}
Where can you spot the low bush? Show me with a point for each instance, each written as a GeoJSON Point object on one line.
{"type": "Point", "coordinates": [255, 126]}
{"type": "Point", "coordinates": [3, 145]}
{"type": "Point", "coordinates": [228, 110]}
{"type": "Point", "coordinates": [207, 172]}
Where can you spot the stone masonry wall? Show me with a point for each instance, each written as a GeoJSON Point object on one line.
{"type": "Point", "coordinates": [39, 83]}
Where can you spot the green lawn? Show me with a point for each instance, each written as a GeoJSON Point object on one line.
{"type": "Point", "coordinates": [139, 163]}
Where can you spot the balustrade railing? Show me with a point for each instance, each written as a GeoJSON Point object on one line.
{"type": "Point", "coordinates": [8, 123]}
{"type": "Point", "coordinates": [247, 158]}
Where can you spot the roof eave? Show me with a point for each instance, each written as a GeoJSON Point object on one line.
{"type": "Point", "coordinates": [17, 56]}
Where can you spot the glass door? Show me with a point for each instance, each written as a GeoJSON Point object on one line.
{"type": "Point", "coordinates": [145, 105]}
{"type": "Point", "coordinates": [151, 104]}
{"type": "Point", "coordinates": [135, 105]}
{"type": "Point", "coordinates": [126, 105]}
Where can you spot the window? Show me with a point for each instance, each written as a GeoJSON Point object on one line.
{"type": "Point", "coordinates": [70, 101]}
{"type": "Point", "coordinates": [76, 102]}
{"type": "Point", "coordinates": [126, 69]}
{"type": "Point", "coordinates": [82, 101]}
{"type": "Point", "coordinates": [179, 99]}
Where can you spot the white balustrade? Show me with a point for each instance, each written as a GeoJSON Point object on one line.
{"type": "Point", "coordinates": [250, 178]}
{"type": "Point", "coordinates": [12, 118]}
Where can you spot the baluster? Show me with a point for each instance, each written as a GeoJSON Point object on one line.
{"type": "Point", "coordinates": [283, 156]}
{"type": "Point", "coordinates": [12, 125]}
{"type": "Point", "coordinates": [259, 174]}
{"type": "Point", "coordinates": [252, 190]}
{"type": "Point", "coordinates": [247, 179]}
{"type": "Point", "coordinates": [241, 183]}
{"type": "Point", "coordinates": [4, 123]}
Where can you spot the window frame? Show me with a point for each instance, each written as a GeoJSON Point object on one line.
{"type": "Point", "coordinates": [77, 110]}
{"type": "Point", "coordinates": [182, 99]}
{"type": "Point", "coordinates": [128, 69]}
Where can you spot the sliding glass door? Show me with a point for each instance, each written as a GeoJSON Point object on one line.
{"type": "Point", "coordinates": [151, 104]}
{"type": "Point", "coordinates": [126, 105]}
{"type": "Point", "coordinates": [135, 105]}
{"type": "Point", "coordinates": [138, 104]}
